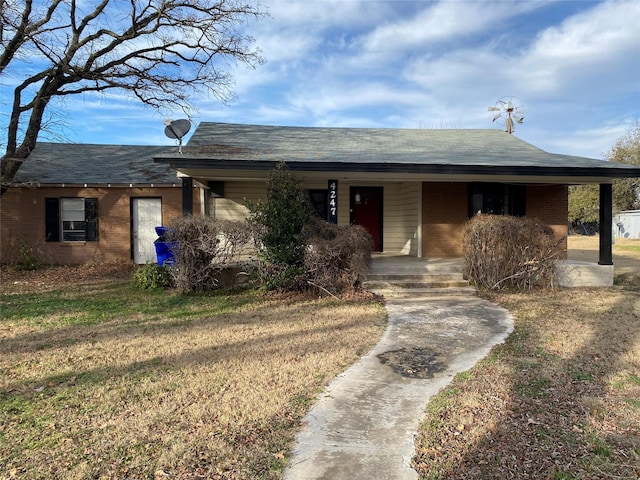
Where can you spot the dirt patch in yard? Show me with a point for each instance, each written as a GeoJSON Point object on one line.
{"type": "Point", "coordinates": [13, 280]}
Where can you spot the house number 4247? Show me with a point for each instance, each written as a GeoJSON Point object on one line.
{"type": "Point", "coordinates": [333, 202]}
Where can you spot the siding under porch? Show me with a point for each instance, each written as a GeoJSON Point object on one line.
{"type": "Point", "coordinates": [401, 208]}
{"type": "Point", "coordinates": [422, 219]}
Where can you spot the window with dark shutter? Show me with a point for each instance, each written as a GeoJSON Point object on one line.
{"type": "Point", "coordinates": [71, 219]}
{"type": "Point", "coordinates": [72, 211]}
{"type": "Point", "coordinates": [497, 199]}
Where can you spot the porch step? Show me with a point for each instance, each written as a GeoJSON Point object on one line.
{"type": "Point", "coordinates": [407, 288]}
{"type": "Point", "coordinates": [422, 292]}
{"type": "Point", "coordinates": [417, 280]}
{"type": "Point", "coordinates": [418, 268]}
{"type": "Point", "coordinates": [404, 284]}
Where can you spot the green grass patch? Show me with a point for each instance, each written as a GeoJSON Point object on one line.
{"type": "Point", "coordinates": [633, 402]}
{"type": "Point", "coordinates": [91, 306]}
{"type": "Point", "coordinates": [467, 375]}
{"type": "Point", "coordinates": [533, 387]}
{"type": "Point", "coordinates": [582, 376]}
{"type": "Point", "coordinates": [627, 248]}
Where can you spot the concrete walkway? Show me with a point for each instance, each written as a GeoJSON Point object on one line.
{"type": "Point", "coordinates": [363, 425]}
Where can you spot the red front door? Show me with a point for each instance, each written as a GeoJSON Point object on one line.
{"type": "Point", "coordinates": [366, 210]}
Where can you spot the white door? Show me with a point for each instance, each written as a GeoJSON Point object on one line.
{"type": "Point", "coordinates": [147, 214]}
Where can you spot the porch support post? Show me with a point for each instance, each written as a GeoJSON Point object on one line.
{"type": "Point", "coordinates": [187, 196]}
{"type": "Point", "coordinates": [606, 214]}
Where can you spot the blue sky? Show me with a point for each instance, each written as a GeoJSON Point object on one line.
{"type": "Point", "coordinates": [575, 65]}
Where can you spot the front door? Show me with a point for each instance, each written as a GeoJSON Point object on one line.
{"type": "Point", "coordinates": [146, 214]}
{"type": "Point", "coordinates": [366, 210]}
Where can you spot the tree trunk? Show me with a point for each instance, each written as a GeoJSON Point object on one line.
{"type": "Point", "coordinates": [15, 157]}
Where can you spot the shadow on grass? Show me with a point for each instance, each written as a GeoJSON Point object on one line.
{"type": "Point", "coordinates": [254, 347]}
{"type": "Point", "coordinates": [552, 411]}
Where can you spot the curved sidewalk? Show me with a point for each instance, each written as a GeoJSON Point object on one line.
{"type": "Point", "coordinates": [364, 423]}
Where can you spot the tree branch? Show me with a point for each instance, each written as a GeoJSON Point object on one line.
{"type": "Point", "coordinates": [162, 53]}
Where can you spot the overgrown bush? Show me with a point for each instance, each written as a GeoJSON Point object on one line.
{"type": "Point", "coordinates": [203, 248]}
{"type": "Point", "coordinates": [152, 276]}
{"type": "Point", "coordinates": [502, 251]}
{"type": "Point", "coordinates": [337, 257]}
{"type": "Point", "coordinates": [279, 229]}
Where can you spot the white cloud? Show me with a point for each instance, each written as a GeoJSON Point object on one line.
{"type": "Point", "coordinates": [357, 94]}
{"type": "Point", "coordinates": [445, 21]}
{"type": "Point", "coordinates": [601, 43]}
{"type": "Point", "coordinates": [592, 142]}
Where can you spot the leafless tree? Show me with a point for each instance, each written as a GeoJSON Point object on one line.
{"type": "Point", "coordinates": [160, 52]}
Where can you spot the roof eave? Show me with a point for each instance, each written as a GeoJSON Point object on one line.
{"type": "Point", "coordinates": [606, 171]}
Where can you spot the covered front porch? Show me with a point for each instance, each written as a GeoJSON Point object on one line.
{"type": "Point", "coordinates": [413, 189]}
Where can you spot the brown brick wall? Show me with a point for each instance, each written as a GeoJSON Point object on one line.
{"type": "Point", "coordinates": [550, 204]}
{"type": "Point", "coordinates": [444, 213]}
{"type": "Point", "coordinates": [22, 218]}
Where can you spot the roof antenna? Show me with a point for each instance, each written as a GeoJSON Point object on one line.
{"type": "Point", "coordinates": [177, 129]}
{"type": "Point", "coordinates": [506, 110]}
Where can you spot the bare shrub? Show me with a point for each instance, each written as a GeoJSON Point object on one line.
{"type": "Point", "coordinates": [204, 247]}
{"type": "Point", "coordinates": [337, 257]}
{"type": "Point", "coordinates": [504, 251]}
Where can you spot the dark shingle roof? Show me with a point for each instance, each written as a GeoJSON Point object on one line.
{"type": "Point", "coordinates": [317, 144]}
{"type": "Point", "coordinates": [71, 163]}
{"type": "Point", "coordinates": [223, 145]}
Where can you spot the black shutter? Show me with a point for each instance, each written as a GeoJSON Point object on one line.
{"type": "Point", "coordinates": [476, 198]}
{"type": "Point", "coordinates": [519, 201]}
{"type": "Point", "coordinates": [91, 219]}
{"type": "Point", "coordinates": [52, 219]}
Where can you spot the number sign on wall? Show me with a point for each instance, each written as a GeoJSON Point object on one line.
{"type": "Point", "coordinates": [332, 199]}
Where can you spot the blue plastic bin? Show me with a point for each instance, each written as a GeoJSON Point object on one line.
{"type": "Point", "coordinates": [164, 249]}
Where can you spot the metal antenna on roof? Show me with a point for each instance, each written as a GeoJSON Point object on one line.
{"type": "Point", "coordinates": [506, 110]}
{"type": "Point", "coordinates": [177, 129]}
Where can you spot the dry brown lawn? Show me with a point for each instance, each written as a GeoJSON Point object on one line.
{"type": "Point", "coordinates": [626, 252]}
{"type": "Point", "coordinates": [560, 399]}
{"type": "Point", "coordinates": [102, 381]}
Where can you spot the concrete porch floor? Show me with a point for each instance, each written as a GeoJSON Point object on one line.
{"type": "Point", "coordinates": [570, 273]}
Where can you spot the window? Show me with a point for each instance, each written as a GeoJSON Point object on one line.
{"type": "Point", "coordinates": [497, 199]}
{"type": "Point", "coordinates": [71, 219]}
{"type": "Point", "coordinates": [318, 200]}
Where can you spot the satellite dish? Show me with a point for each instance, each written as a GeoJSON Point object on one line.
{"type": "Point", "coordinates": [177, 129]}
{"type": "Point", "coordinates": [506, 110]}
